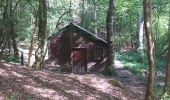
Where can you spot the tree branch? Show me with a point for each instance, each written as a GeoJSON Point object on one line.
{"type": "Point", "coordinates": [31, 5]}
{"type": "Point", "coordinates": [58, 22]}
{"type": "Point", "coordinates": [15, 7]}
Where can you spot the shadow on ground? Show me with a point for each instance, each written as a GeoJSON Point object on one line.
{"type": "Point", "coordinates": [20, 82]}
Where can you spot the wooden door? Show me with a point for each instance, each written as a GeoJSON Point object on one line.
{"type": "Point", "coordinates": [79, 60]}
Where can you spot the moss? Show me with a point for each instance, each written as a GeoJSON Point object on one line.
{"type": "Point", "coordinates": [115, 83]}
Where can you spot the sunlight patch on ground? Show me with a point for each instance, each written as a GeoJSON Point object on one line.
{"type": "Point", "coordinates": [136, 89]}
{"type": "Point", "coordinates": [6, 64]}
{"type": "Point", "coordinates": [118, 64]}
{"type": "Point", "coordinates": [74, 92]}
{"type": "Point", "coordinates": [17, 74]}
{"type": "Point", "coordinates": [44, 92]}
{"type": "Point", "coordinates": [2, 98]}
{"type": "Point", "coordinates": [3, 72]}
{"type": "Point", "coordinates": [100, 83]}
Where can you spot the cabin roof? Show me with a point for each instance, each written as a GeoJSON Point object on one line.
{"type": "Point", "coordinates": [81, 30]}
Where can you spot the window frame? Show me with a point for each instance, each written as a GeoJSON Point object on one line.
{"type": "Point", "coordinates": [95, 55]}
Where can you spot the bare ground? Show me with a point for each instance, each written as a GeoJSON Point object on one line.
{"type": "Point", "coordinates": [23, 84]}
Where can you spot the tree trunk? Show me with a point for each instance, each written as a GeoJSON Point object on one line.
{"type": "Point", "coordinates": [140, 35]}
{"type": "Point", "coordinates": [83, 14]}
{"type": "Point", "coordinates": [6, 27]}
{"type": "Point", "coordinates": [167, 78]}
{"type": "Point", "coordinates": [39, 54]}
{"type": "Point", "coordinates": [94, 17]}
{"type": "Point", "coordinates": [151, 50]}
{"type": "Point", "coordinates": [139, 41]}
{"type": "Point", "coordinates": [109, 27]}
{"type": "Point", "coordinates": [14, 43]}
{"type": "Point", "coordinates": [9, 31]}
{"type": "Point", "coordinates": [32, 42]}
{"type": "Point", "coordinates": [12, 30]}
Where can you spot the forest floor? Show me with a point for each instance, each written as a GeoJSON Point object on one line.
{"type": "Point", "coordinates": [19, 83]}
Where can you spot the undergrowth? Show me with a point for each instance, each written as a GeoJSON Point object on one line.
{"type": "Point", "coordinates": [10, 58]}
{"type": "Point", "coordinates": [132, 61]}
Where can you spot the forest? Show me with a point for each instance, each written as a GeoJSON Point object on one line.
{"type": "Point", "coordinates": [84, 49]}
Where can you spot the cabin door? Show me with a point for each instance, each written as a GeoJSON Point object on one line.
{"type": "Point", "coordinates": [79, 60]}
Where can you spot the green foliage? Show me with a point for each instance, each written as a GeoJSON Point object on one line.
{"type": "Point", "coordinates": [125, 18]}
{"type": "Point", "coordinates": [123, 38]}
{"type": "Point", "coordinates": [161, 62]}
{"type": "Point", "coordinates": [132, 60]}
{"type": "Point", "coordinates": [10, 58]}
{"type": "Point", "coordinates": [165, 97]}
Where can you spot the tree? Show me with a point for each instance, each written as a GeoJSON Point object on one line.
{"type": "Point", "coordinates": [109, 27]}
{"type": "Point", "coordinates": [9, 29]}
{"type": "Point", "coordinates": [150, 49]}
{"type": "Point", "coordinates": [94, 17]}
{"type": "Point", "coordinates": [167, 78]}
{"type": "Point", "coordinates": [83, 13]}
{"type": "Point", "coordinates": [42, 25]}
{"type": "Point", "coordinates": [35, 22]}
{"type": "Point", "coordinates": [139, 39]}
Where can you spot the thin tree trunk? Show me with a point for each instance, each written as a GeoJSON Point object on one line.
{"type": "Point", "coordinates": [83, 14]}
{"type": "Point", "coordinates": [151, 50]}
{"type": "Point", "coordinates": [94, 17]}
{"type": "Point", "coordinates": [139, 30]}
{"type": "Point", "coordinates": [14, 43]}
{"type": "Point", "coordinates": [167, 78]}
{"type": "Point", "coordinates": [140, 36]}
{"type": "Point", "coordinates": [39, 54]}
{"type": "Point", "coordinates": [5, 26]}
{"type": "Point", "coordinates": [109, 27]}
{"type": "Point", "coordinates": [13, 34]}
{"type": "Point", "coordinates": [32, 42]}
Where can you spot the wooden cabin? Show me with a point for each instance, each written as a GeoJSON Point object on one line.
{"type": "Point", "coordinates": [79, 49]}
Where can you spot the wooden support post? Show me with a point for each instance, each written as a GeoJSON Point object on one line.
{"type": "Point", "coordinates": [22, 59]}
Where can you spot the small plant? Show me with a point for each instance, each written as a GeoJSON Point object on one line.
{"type": "Point", "coordinates": [115, 83]}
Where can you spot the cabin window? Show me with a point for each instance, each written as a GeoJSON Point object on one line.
{"type": "Point", "coordinates": [98, 53]}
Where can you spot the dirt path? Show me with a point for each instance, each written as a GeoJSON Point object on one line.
{"type": "Point", "coordinates": [131, 82]}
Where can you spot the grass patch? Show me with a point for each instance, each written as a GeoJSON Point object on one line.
{"type": "Point", "coordinates": [132, 61]}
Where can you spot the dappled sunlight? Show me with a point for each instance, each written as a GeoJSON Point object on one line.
{"type": "Point", "coordinates": [16, 74]}
{"type": "Point", "coordinates": [3, 73]}
{"type": "Point", "coordinates": [41, 74]}
{"type": "Point", "coordinates": [48, 85]}
{"type": "Point", "coordinates": [135, 89]}
{"type": "Point", "coordinates": [44, 76]}
{"type": "Point", "coordinates": [7, 65]}
{"type": "Point", "coordinates": [101, 84]}
{"type": "Point", "coordinates": [44, 92]}
{"type": "Point", "coordinates": [74, 92]}
{"type": "Point", "coordinates": [118, 64]}
{"type": "Point", "coordinates": [148, 24]}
